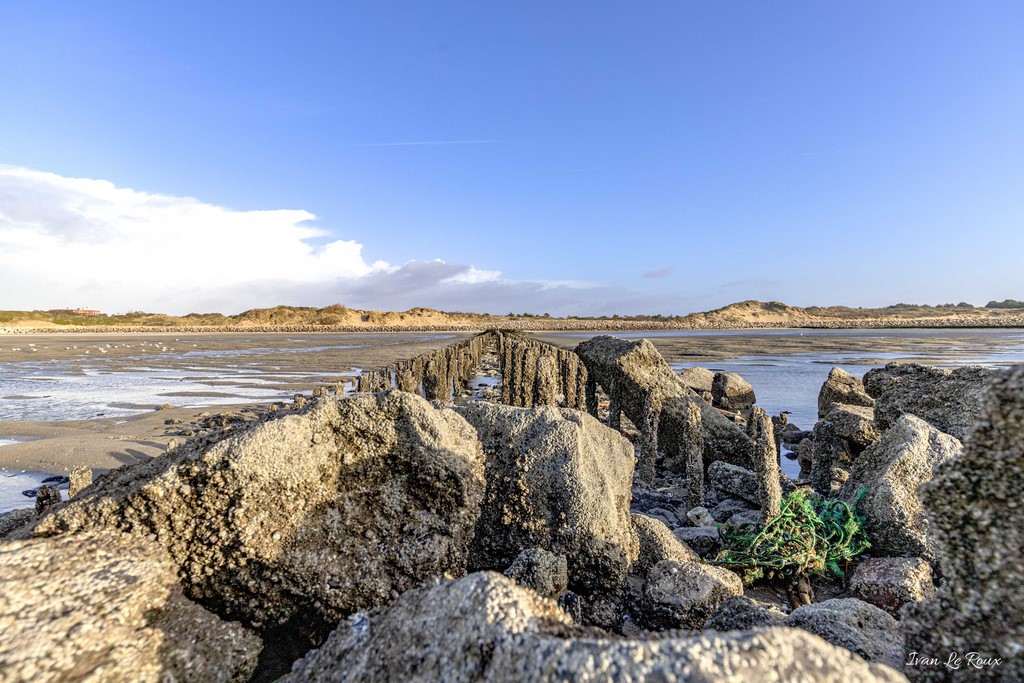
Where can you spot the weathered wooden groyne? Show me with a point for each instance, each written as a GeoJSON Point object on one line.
{"type": "Point", "coordinates": [533, 373]}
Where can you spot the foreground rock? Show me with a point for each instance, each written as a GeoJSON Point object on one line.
{"type": "Point", "coordinates": [559, 480]}
{"type": "Point", "coordinates": [855, 625]}
{"type": "Point", "coordinates": [842, 387]}
{"type": "Point", "coordinates": [485, 628]}
{"type": "Point", "coordinates": [950, 400]}
{"type": "Point", "coordinates": [107, 607]}
{"type": "Point", "coordinates": [893, 472]}
{"type": "Point", "coordinates": [322, 513]}
{"type": "Point", "coordinates": [975, 505]}
{"type": "Point", "coordinates": [892, 582]}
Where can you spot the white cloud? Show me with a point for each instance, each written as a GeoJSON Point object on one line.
{"type": "Point", "coordinates": [82, 242]}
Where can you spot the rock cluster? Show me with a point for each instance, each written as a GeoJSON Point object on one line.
{"type": "Point", "coordinates": [334, 509]}
{"type": "Point", "coordinates": [950, 400]}
{"type": "Point", "coordinates": [485, 628]}
{"type": "Point", "coordinates": [975, 510]}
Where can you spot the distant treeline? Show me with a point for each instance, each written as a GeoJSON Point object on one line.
{"type": "Point", "coordinates": [1005, 303]}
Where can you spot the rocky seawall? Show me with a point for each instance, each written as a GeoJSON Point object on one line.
{"type": "Point", "coordinates": [597, 518]}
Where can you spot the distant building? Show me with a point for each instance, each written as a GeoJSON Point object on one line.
{"type": "Point", "coordinates": [75, 311]}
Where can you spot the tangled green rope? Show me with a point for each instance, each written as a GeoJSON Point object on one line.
{"type": "Point", "coordinates": [810, 536]}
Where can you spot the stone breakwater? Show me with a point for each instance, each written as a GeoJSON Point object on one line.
{"type": "Point", "coordinates": [547, 325]}
{"type": "Point", "coordinates": [383, 536]}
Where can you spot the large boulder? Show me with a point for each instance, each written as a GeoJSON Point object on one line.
{"type": "Point", "coordinates": [947, 399]}
{"type": "Point", "coordinates": [484, 628]}
{"type": "Point", "coordinates": [700, 380]}
{"type": "Point", "coordinates": [892, 582]}
{"type": "Point", "coordinates": [722, 439]}
{"type": "Point", "coordinates": [975, 506]}
{"type": "Point", "coordinates": [842, 387]}
{"type": "Point", "coordinates": [639, 376]}
{"type": "Point", "coordinates": [893, 471]}
{"type": "Point", "coordinates": [685, 594]}
{"type": "Point", "coordinates": [729, 391]}
{"type": "Point", "coordinates": [855, 625]}
{"type": "Point", "coordinates": [337, 508]}
{"type": "Point", "coordinates": [856, 424]}
{"type": "Point", "coordinates": [105, 607]}
{"type": "Point", "coordinates": [656, 544]}
{"type": "Point", "coordinates": [556, 479]}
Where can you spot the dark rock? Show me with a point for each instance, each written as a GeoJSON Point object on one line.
{"type": "Point", "coordinates": [891, 582]}
{"type": "Point", "coordinates": [855, 625]}
{"type": "Point", "coordinates": [949, 400]}
{"type": "Point", "coordinates": [740, 519]}
{"type": "Point", "coordinates": [842, 387]}
{"type": "Point", "coordinates": [106, 607]}
{"type": "Point", "coordinates": [556, 479]}
{"type": "Point", "coordinates": [544, 572]}
{"type": "Point", "coordinates": [321, 513]}
{"type": "Point", "coordinates": [974, 503]}
{"type": "Point", "coordinates": [893, 472]}
{"type": "Point", "coordinates": [729, 507]}
{"type": "Point", "coordinates": [11, 522]}
{"type": "Point", "coordinates": [46, 497]}
{"type": "Point", "coordinates": [685, 594]}
{"type": "Point", "coordinates": [703, 540]}
{"type": "Point", "coordinates": [740, 613]}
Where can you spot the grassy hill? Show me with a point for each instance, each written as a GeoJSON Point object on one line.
{"type": "Point", "coordinates": [745, 314]}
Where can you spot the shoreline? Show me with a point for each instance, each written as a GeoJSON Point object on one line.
{"type": "Point", "coordinates": [1008, 322]}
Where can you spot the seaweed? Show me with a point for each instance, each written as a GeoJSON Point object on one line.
{"type": "Point", "coordinates": [811, 536]}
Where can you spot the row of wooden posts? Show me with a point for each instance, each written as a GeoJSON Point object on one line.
{"type": "Point", "coordinates": [535, 373]}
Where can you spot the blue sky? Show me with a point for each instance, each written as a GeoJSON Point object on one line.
{"type": "Point", "coordinates": [658, 157]}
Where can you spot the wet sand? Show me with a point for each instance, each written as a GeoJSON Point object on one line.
{"type": "Point", "coordinates": [292, 363]}
{"type": "Point", "coordinates": [299, 363]}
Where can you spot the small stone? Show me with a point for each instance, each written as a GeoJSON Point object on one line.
{"type": "Point", "coordinates": [704, 540]}
{"type": "Point", "coordinates": [700, 517]}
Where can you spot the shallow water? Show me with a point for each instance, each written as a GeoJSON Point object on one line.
{"type": "Point", "coordinates": [270, 368]}
{"type": "Point", "coordinates": [15, 484]}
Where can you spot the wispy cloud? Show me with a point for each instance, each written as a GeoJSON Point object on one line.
{"type": "Point", "coordinates": [658, 273]}
{"type": "Point", "coordinates": [426, 143]}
